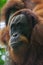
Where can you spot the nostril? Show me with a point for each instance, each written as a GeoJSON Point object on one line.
{"type": "Point", "coordinates": [15, 35]}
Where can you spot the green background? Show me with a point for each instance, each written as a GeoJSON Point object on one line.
{"type": "Point", "coordinates": [2, 50]}
{"type": "Point", "coordinates": [2, 53]}
{"type": "Point", "coordinates": [2, 2]}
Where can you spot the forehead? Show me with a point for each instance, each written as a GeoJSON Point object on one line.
{"type": "Point", "coordinates": [16, 19]}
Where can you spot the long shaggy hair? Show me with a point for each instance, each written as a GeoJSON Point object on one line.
{"type": "Point", "coordinates": [38, 9]}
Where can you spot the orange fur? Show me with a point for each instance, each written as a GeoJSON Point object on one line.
{"type": "Point", "coordinates": [10, 3]}
{"type": "Point", "coordinates": [37, 1]}
{"type": "Point", "coordinates": [5, 35]}
{"type": "Point", "coordinates": [38, 9]}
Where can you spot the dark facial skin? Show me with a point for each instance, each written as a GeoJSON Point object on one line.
{"type": "Point", "coordinates": [19, 29]}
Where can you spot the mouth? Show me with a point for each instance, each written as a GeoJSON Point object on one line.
{"type": "Point", "coordinates": [17, 45]}
{"type": "Point", "coordinates": [18, 42]}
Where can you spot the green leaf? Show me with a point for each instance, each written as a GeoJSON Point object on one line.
{"type": "Point", "coordinates": [2, 2]}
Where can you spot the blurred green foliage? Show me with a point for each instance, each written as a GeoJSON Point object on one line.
{"type": "Point", "coordinates": [2, 56]}
{"type": "Point", "coordinates": [2, 2]}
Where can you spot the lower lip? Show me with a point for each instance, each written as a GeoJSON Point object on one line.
{"type": "Point", "coordinates": [15, 45]}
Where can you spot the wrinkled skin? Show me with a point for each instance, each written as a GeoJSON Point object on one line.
{"type": "Point", "coordinates": [23, 48]}
{"type": "Point", "coordinates": [20, 30]}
